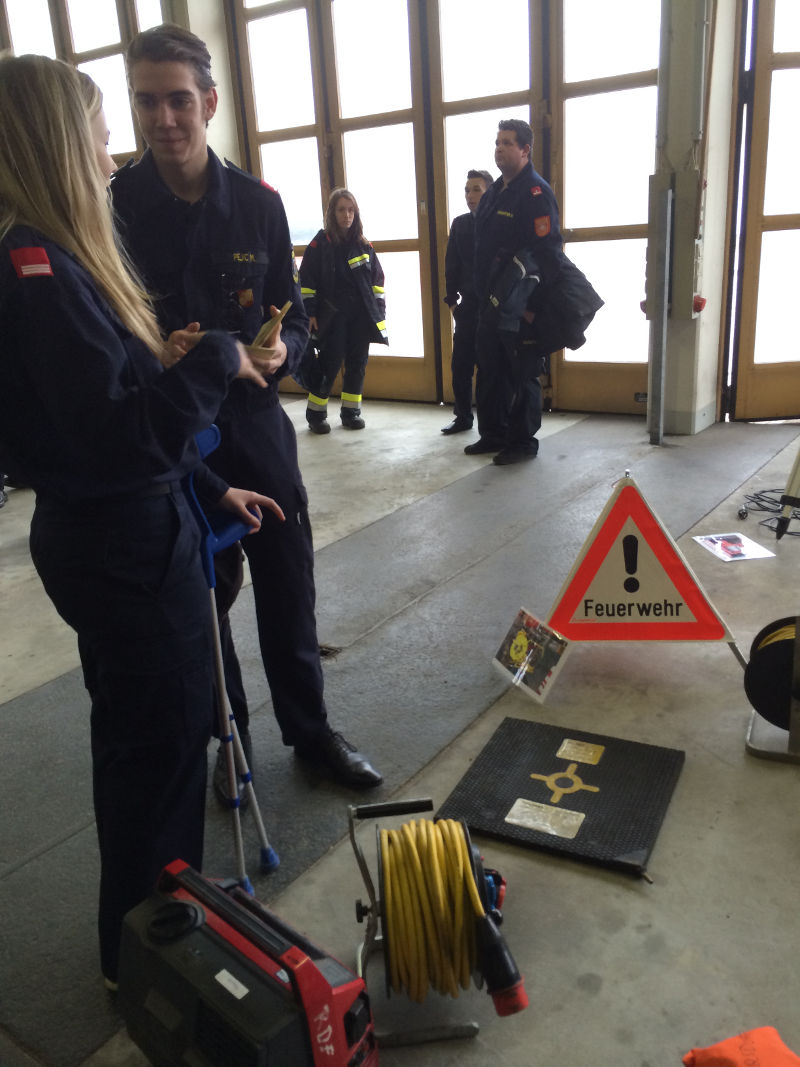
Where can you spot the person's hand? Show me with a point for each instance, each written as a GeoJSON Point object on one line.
{"type": "Point", "coordinates": [246, 505]}
{"type": "Point", "coordinates": [267, 358]}
{"type": "Point", "coordinates": [313, 324]}
{"type": "Point", "coordinates": [247, 368]}
{"type": "Point", "coordinates": [179, 343]}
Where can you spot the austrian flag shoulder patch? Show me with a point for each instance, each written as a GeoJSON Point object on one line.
{"type": "Point", "coordinates": [536, 190]}
{"type": "Point", "coordinates": [542, 225]}
{"type": "Point", "coordinates": [30, 262]}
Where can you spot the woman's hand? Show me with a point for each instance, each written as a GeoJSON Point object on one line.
{"type": "Point", "coordinates": [246, 505]}
{"type": "Point", "coordinates": [247, 368]}
{"type": "Point", "coordinates": [179, 343]}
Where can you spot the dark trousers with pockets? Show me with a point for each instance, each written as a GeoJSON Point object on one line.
{"type": "Point", "coordinates": [127, 578]}
{"type": "Point", "coordinates": [346, 341]}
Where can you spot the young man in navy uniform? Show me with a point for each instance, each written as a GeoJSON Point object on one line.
{"type": "Point", "coordinates": [517, 241]}
{"type": "Point", "coordinates": [460, 297]}
{"type": "Point", "coordinates": [213, 246]}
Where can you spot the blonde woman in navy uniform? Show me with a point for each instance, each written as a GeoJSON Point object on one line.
{"type": "Point", "coordinates": [342, 284]}
{"type": "Point", "coordinates": [104, 434]}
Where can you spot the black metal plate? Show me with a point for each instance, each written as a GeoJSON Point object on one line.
{"type": "Point", "coordinates": [599, 799]}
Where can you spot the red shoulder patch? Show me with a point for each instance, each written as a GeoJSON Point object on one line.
{"type": "Point", "coordinates": [313, 244]}
{"type": "Point", "coordinates": [542, 225]}
{"type": "Point", "coordinates": [30, 262]}
{"type": "Point", "coordinates": [268, 186]}
{"type": "Point", "coordinates": [536, 190]}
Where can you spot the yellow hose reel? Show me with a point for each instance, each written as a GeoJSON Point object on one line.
{"type": "Point", "coordinates": [772, 676]}
{"type": "Point", "coordinates": [439, 910]}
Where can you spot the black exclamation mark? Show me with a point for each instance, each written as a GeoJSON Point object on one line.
{"type": "Point", "coordinates": [630, 550]}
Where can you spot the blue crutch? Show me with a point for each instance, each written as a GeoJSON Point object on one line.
{"type": "Point", "coordinates": [220, 530]}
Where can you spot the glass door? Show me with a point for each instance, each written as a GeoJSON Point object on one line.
{"type": "Point", "coordinates": [603, 87]}
{"type": "Point", "coordinates": [468, 97]}
{"type": "Point", "coordinates": [767, 370]}
{"type": "Point", "coordinates": [352, 117]}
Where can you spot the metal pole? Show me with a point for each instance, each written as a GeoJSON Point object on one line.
{"type": "Point", "coordinates": [660, 245]}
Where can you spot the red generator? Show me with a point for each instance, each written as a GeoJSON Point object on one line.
{"type": "Point", "coordinates": [210, 978]}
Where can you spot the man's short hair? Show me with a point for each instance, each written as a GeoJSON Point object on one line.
{"type": "Point", "coordinates": [520, 128]}
{"type": "Point", "coordinates": [172, 44]}
{"type": "Point", "coordinates": [484, 176]}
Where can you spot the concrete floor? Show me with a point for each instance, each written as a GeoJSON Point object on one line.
{"type": "Point", "coordinates": [415, 541]}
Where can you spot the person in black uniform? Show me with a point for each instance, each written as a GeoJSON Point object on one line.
{"type": "Point", "coordinates": [104, 434]}
{"type": "Point", "coordinates": [459, 262]}
{"type": "Point", "coordinates": [213, 243]}
{"type": "Point", "coordinates": [342, 286]}
{"type": "Point", "coordinates": [517, 243]}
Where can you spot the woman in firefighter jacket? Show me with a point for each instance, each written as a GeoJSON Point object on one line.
{"type": "Point", "coordinates": [102, 427]}
{"type": "Point", "coordinates": [342, 285]}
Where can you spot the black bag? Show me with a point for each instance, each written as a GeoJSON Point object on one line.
{"type": "Point", "coordinates": [564, 305]}
{"type": "Point", "coordinates": [302, 372]}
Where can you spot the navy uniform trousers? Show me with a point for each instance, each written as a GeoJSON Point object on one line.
{"type": "Point", "coordinates": [126, 575]}
{"type": "Point", "coordinates": [464, 358]}
{"type": "Point", "coordinates": [509, 394]}
{"type": "Point", "coordinates": [281, 561]}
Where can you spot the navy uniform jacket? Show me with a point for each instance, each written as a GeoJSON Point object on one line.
{"type": "Point", "coordinates": [520, 218]}
{"type": "Point", "coordinates": [88, 410]}
{"type": "Point", "coordinates": [319, 284]}
{"type": "Point", "coordinates": [459, 260]}
{"type": "Point", "coordinates": [221, 262]}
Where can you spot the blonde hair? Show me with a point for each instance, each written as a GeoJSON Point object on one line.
{"type": "Point", "coordinates": [50, 180]}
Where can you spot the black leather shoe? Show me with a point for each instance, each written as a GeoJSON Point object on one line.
{"type": "Point", "coordinates": [457, 426]}
{"type": "Point", "coordinates": [514, 454]}
{"type": "Point", "coordinates": [480, 446]}
{"type": "Point", "coordinates": [219, 779]}
{"type": "Point", "coordinates": [323, 426]}
{"type": "Point", "coordinates": [334, 754]}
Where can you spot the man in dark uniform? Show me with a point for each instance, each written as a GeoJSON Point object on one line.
{"type": "Point", "coordinates": [213, 245]}
{"type": "Point", "coordinates": [459, 261]}
{"type": "Point", "coordinates": [517, 242]}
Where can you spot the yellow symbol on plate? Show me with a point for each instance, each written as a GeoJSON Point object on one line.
{"type": "Point", "coordinates": [558, 791]}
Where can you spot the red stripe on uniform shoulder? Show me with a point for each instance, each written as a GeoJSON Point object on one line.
{"type": "Point", "coordinates": [30, 262]}
{"type": "Point", "coordinates": [268, 186]}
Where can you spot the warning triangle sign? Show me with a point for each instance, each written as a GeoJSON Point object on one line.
{"type": "Point", "coordinates": [631, 582]}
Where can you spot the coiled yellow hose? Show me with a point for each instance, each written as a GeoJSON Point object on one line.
{"type": "Point", "coordinates": [785, 633]}
{"type": "Point", "coordinates": [430, 902]}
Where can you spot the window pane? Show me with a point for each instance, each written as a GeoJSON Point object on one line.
{"type": "Point", "coordinates": [388, 206]}
{"type": "Point", "coordinates": [619, 332]}
{"type": "Point", "coordinates": [777, 293]}
{"type": "Point", "coordinates": [281, 65]}
{"type": "Point", "coordinates": [599, 128]}
{"type": "Point", "coordinates": [403, 306]}
{"type": "Point", "coordinates": [109, 73]}
{"type": "Point", "coordinates": [483, 55]}
{"type": "Point", "coordinates": [786, 37]}
{"type": "Point", "coordinates": [371, 41]}
{"type": "Point", "coordinates": [594, 47]}
{"type": "Point", "coordinates": [781, 193]}
{"type": "Point", "coordinates": [93, 22]}
{"type": "Point", "coordinates": [148, 12]}
{"type": "Point", "coordinates": [29, 22]}
{"type": "Point", "coordinates": [292, 167]}
{"type": "Point", "coordinates": [469, 145]}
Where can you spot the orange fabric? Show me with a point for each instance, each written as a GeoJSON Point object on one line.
{"type": "Point", "coordinates": [754, 1048]}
